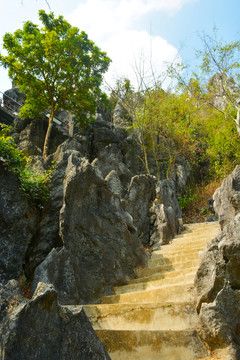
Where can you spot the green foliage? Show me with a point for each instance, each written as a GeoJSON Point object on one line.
{"type": "Point", "coordinates": [56, 66]}
{"type": "Point", "coordinates": [220, 74]}
{"type": "Point", "coordinates": [194, 201]}
{"type": "Point", "coordinates": [34, 185]}
{"type": "Point", "coordinates": [175, 124]}
{"type": "Point", "coordinates": [11, 156]}
{"type": "Point", "coordinates": [187, 198]}
{"type": "Point", "coordinates": [219, 56]}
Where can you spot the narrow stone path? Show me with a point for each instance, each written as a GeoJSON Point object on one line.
{"type": "Point", "coordinates": [153, 317]}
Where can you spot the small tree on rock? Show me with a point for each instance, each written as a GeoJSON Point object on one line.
{"type": "Point", "coordinates": [57, 67]}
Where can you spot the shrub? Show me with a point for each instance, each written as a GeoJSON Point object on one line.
{"type": "Point", "coordinates": [34, 185]}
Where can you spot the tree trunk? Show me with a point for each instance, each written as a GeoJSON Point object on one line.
{"type": "Point", "coordinates": [47, 137]}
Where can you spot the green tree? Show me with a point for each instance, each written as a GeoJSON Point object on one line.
{"type": "Point", "coordinates": [57, 67]}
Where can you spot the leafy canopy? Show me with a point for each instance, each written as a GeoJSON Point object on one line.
{"type": "Point", "coordinates": [56, 66]}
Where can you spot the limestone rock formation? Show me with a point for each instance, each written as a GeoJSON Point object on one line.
{"type": "Point", "coordinates": [87, 239]}
{"type": "Point", "coordinates": [181, 174]}
{"type": "Point", "coordinates": [48, 228]}
{"type": "Point", "coordinates": [120, 115]}
{"type": "Point", "coordinates": [41, 329]}
{"type": "Point", "coordinates": [227, 198]}
{"type": "Point", "coordinates": [217, 281]}
{"type": "Point", "coordinates": [166, 215]}
{"type": "Point", "coordinates": [104, 178]}
{"type": "Point", "coordinates": [18, 226]}
{"type": "Point", "coordinates": [101, 248]}
{"type": "Point", "coordinates": [140, 194]}
{"type": "Point", "coordinates": [223, 88]}
{"type": "Point", "coordinates": [13, 99]}
{"type": "Point", "coordinates": [29, 134]}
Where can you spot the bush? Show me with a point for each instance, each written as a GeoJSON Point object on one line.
{"type": "Point", "coordinates": [194, 203]}
{"type": "Point", "coordinates": [34, 185]}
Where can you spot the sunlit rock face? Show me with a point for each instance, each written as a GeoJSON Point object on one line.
{"type": "Point", "coordinates": [100, 244]}
{"type": "Point", "coordinates": [217, 280]}
{"type": "Point", "coordinates": [227, 198]}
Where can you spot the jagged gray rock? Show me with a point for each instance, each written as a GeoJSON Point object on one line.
{"type": "Point", "coordinates": [101, 247]}
{"type": "Point", "coordinates": [181, 173]}
{"type": "Point", "coordinates": [114, 183]}
{"type": "Point", "coordinates": [97, 211]}
{"type": "Point", "coordinates": [103, 135]}
{"type": "Point", "coordinates": [166, 215]}
{"type": "Point", "coordinates": [227, 198]}
{"type": "Point", "coordinates": [120, 115]}
{"type": "Point", "coordinates": [18, 226]}
{"type": "Point", "coordinates": [110, 158]}
{"type": "Point", "coordinates": [218, 289]}
{"type": "Point", "coordinates": [41, 329]}
{"type": "Point", "coordinates": [138, 200]}
{"type": "Point", "coordinates": [13, 98]}
{"type": "Point", "coordinates": [47, 236]}
{"type": "Point", "coordinates": [30, 134]}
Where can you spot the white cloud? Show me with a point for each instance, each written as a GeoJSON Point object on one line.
{"type": "Point", "coordinates": [110, 24]}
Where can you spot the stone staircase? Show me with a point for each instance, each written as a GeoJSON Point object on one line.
{"type": "Point", "coordinates": [153, 317]}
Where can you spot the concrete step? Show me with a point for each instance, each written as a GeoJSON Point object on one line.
{"type": "Point", "coordinates": [162, 259]}
{"type": "Point", "coordinates": [164, 275]}
{"type": "Point", "coordinates": [181, 247]}
{"type": "Point", "coordinates": [149, 285]}
{"type": "Point", "coordinates": [193, 240]}
{"type": "Point", "coordinates": [174, 316]}
{"type": "Point", "coordinates": [195, 229]}
{"type": "Point", "coordinates": [197, 233]}
{"type": "Point", "coordinates": [153, 317]}
{"type": "Point", "coordinates": [201, 225]}
{"type": "Point", "coordinates": [172, 250]}
{"type": "Point", "coordinates": [162, 295]}
{"type": "Point", "coordinates": [152, 345]}
{"type": "Point", "coordinates": [148, 271]}
{"type": "Point", "coordinates": [200, 228]}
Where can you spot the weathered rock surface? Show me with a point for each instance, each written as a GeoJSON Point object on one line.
{"type": "Point", "coordinates": [86, 240]}
{"type": "Point", "coordinates": [30, 133]}
{"type": "Point", "coordinates": [181, 174]}
{"type": "Point", "coordinates": [218, 289]}
{"type": "Point", "coordinates": [47, 236]}
{"type": "Point", "coordinates": [141, 193]}
{"type": "Point", "coordinates": [41, 329]}
{"type": "Point", "coordinates": [18, 226]}
{"type": "Point", "coordinates": [115, 166]}
{"type": "Point", "coordinates": [101, 247]}
{"type": "Point", "coordinates": [121, 115]}
{"type": "Point", "coordinates": [13, 98]}
{"type": "Point", "coordinates": [227, 198]}
{"type": "Point", "coordinates": [166, 215]}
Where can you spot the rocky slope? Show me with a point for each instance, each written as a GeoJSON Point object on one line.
{"type": "Point", "coordinates": [90, 236]}
{"type": "Point", "coordinates": [218, 278]}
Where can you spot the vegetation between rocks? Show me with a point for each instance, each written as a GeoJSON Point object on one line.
{"type": "Point", "coordinates": [33, 184]}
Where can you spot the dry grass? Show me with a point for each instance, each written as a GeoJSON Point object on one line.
{"type": "Point", "coordinates": [197, 210]}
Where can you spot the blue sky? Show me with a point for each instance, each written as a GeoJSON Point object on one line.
{"type": "Point", "coordinates": [134, 33]}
